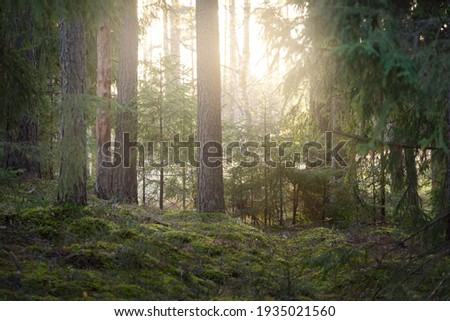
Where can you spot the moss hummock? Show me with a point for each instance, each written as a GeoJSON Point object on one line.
{"type": "Point", "coordinates": [117, 252]}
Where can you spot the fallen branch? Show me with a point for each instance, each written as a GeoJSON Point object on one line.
{"type": "Point", "coordinates": [16, 261]}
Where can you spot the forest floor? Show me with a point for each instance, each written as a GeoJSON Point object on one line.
{"type": "Point", "coordinates": [120, 252]}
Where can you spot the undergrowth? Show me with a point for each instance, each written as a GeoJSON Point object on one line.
{"type": "Point", "coordinates": [108, 251]}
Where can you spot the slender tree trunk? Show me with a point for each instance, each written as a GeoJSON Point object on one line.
{"type": "Point", "coordinates": [233, 62]}
{"type": "Point", "coordinates": [175, 43]}
{"type": "Point", "coordinates": [266, 197]}
{"type": "Point", "coordinates": [72, 170]}
{"type": "Point", "coordinates": [184, 187]}
{"type": "Point", "coordinates": [161, 139]}
{"type": "Point", "coordinates": [166, 41]}
{"type": "Point", "coordinates": [193, 170]}
{"type": "Point", "coordinates": [175, 31]}
{"type": "Point", "coordinates": [125, 177]}
{"type": "Point", "coordinates": [324, 202]}
{"type": "Point", "coordinates": [294, 203]}
{"type": "Point", "coordinates": [280, 186]}
{"type": "Point", "coordinates": [103, 185]}
{"type": "Point", "coordinates": [383, 187]}
{"type": "Point", "coordinates": [161, 189]}
{"type": "Point", "coordinates": [226, 101]}
{"type": "Point", "coordinates": [50, 163]}
{"type": "Point", "coordinates": [92, 158]}
{"type": "Point", "coordinates": [244, 67]}
{"type": "Point", "coordinates": [374, 190]}
{"type": "Point", "coordinates": [210, 180]}
{"type": "Point", "coordinates": [193, 55]}
{"type": "Point", "coordinates": [266, 187]}
{"type": "Point", "coordinates": [144, 198]}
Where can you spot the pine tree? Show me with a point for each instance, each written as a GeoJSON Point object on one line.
{"type": "Point", "coordinates": [103, 184]}
{"type": "Point", "coordinates": [72, 168]}
{"type": "Point", "coordinates": [210, 179]}
{"type": "Point", "coordinates": [125, 176]}
{"type": "Point", "coordinates": [243, 72]}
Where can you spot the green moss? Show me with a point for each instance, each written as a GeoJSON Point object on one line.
{"type": "Point", "coordinates": [207, 245]}
{"type": "Point", "coordinates": [153, 228]}
{"type": "Point", "coordinates": [115, 252]}
{"type": "Point", "coordinates": [92, 227]}
{"type": "Point", "coordinates": [198, 217]}
{"type": "Point", "coordinates": [126, 233]}
{"type": "Point", "coordinates": [129, 292]}
{"type": "Point", "coordinates": [39, 222]}
{"type": "Point", "coordinates": [215, 275]}
{"type": "Point", "coordinates": [48, 232]}
{"type": "Point", "coordinates": [91, 255]}
{"type": "Point", "coordinates": [181, 237]}
{"type": "Point", "coordinates": [129, 258]}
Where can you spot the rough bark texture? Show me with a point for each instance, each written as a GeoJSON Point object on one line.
{"type": "Point", "coordinates": [210, 180]}
{"type": "Point", "coordinates": [125, 177]}
{"type": "Point", "coordinates": [103, 184]}
{"type": "Point", "coordinates": [72, 170]}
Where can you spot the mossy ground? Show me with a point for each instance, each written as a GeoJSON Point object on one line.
{"type": "Point", "coordinates": [116, 252]}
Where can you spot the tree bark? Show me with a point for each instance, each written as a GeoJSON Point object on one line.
{"type": "Point", "coordinates": [72, 170]}
{"type": "Point", "coordinates": [210, 179]}
{"type": "Point", "coordinates": [125, 177]}
{"type": "Point", "coordinates": [103, 184]}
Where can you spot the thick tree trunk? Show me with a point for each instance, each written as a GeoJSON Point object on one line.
{"type": "Point", "coordinates": [72, 170]}
{"type": "Point", "coordinates": [125, 176]}
{"type": "Point", "coordinates": [210, 179]}
{"type": "Point", "coordinates": [103, 184]}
